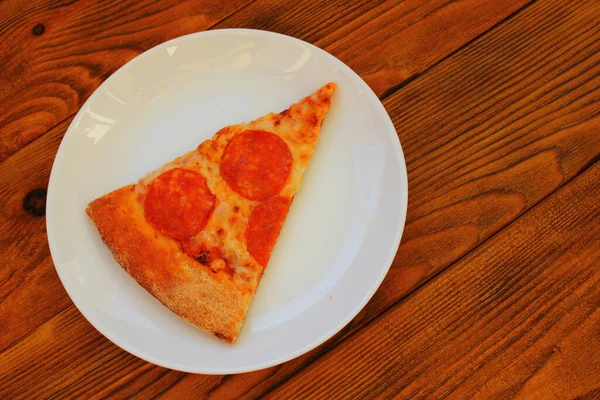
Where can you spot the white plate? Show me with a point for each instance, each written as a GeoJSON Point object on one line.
{"type": "Point", "coordinates": [341, 233]}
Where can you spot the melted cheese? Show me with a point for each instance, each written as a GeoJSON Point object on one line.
{"type": "Point", "coordinates": [299, 128]}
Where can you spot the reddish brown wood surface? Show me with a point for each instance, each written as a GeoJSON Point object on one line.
{"type": "Point", "coordinates": [496, 105]}
{"type": "Point", "coordinates": [47, 76]}
{"type": "Point", "coordinates": [518, 318]}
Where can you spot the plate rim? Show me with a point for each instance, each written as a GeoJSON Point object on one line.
{"type": "Point", "coordinates": [381, 112]}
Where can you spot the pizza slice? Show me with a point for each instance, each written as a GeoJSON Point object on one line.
{"type": "Point", "coordinates": [197, 233]}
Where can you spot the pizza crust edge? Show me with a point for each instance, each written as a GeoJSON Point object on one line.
{"type": "Point", "coordinates": [211, 302]}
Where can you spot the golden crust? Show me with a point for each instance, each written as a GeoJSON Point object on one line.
{"type": "Point", "coordinates": [211, 302]}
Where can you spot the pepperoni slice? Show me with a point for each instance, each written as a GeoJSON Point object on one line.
{"type": "Point", "coordinates": [264, 226]}
{"type": "Point", "coordinates": [179, 203]}
{"type": "Point", "coordinates": [256, 164]}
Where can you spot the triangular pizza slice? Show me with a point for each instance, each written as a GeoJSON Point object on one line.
{"type": "Point", "coordinates": [198, 232]}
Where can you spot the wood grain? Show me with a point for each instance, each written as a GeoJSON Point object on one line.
{"type": "Point", "coordinates": [77, 51]}
{"type": "Point", "coordinates": [30, 291]}
{"type": "Point", "coordinates": [492, 131]}
{"type": "Point", "coordinates": [385, 58]}
{"type": "Point", "coordinates": [69, 334]}
{"type": "Point", "coordinates": [19, 282]}
{"type": "Point", "coordinates": [503, 123]}
{"type": "Point", "coordinates": [260, 15]}
{"type": "Point", "coordinates": [46, 78]}
{"type": "Point", "coordinates": [517, 318]}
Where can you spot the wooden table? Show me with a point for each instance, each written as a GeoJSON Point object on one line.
{"type": "Point", "coordinates": [495, 290]}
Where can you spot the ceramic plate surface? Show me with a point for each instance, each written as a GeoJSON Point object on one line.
{"type": "Point", "coordinates": [342, 231]}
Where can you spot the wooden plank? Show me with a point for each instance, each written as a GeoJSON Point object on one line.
{"type": "Point", "coordinates": [572, 160]}
{"type": "Point", "coordinates": [416, 34]}
{"type": "Point", "coordinates": [493, 131]}
{"type": "Point", "coordinates": [30, 291]}
{"type": "Point", "coordinates": [545, 150]}
{"type": "Point", "coordinates": [55, 54]}
{"type": "Point", "coordinates": [42, 359]}
{"type": "Point", "coordinates": [501, 125]}
{"type": "Point", "coordinates": [37, 172]}
{"type": "Point", "coordinates": [519, 317]}
{"type": "Point", "coordinates": [77, 52]}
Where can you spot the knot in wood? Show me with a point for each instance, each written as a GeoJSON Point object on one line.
{"type": "Point", "coordinates": [38, 29]}
{"type": "Point", "coordinates": [35, 202]}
